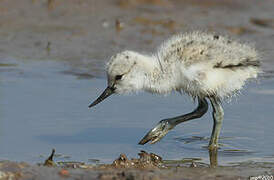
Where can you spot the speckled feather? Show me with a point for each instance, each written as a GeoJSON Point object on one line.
{"type": "Point", "coordinates": [199, 64]}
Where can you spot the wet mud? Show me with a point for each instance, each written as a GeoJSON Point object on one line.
{"type": "Point", "coordinates": [147, 166]}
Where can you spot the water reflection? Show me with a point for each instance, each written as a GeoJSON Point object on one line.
{"type": "Point", "coordinates": [94, 135]}
{"type": "Point", "coordinates": [213, 157]}
{"type": "Point", "coordinates": [43, 106]}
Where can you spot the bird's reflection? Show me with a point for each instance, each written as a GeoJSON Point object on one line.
{"type": "Point", "coordinates": [213, 157]}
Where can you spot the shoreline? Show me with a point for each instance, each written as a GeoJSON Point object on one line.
{"type": "Point", "coordinates": [143, 167]}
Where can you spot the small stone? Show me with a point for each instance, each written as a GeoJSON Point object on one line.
{"type": "Point", "coordinates": [193, 165]}
{"type": "Point", "coordinates": [64, 172]}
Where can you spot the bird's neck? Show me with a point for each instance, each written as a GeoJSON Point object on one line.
{"type": "Point", "coordinates": [158, 76]}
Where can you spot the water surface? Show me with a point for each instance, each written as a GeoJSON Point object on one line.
{"type": "Point", "coordinates": [44, 105]}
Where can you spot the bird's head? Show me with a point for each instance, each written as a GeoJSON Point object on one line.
{"type": "Point", "coordinates": [126, 72]}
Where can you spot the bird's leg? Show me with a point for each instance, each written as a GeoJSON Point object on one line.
{"type": "Point", "coordinates": [213, 157]}
{"type": "Point", "coordinates": [218, 114]}
{"type": "Point", "coordinates": [162, 128]}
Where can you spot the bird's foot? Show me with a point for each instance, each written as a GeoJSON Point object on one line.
{"type": "Point", "coordinates": [157, 133]}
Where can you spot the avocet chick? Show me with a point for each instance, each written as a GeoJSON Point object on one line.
{"type": "Point", "coordinates": [204, 66]}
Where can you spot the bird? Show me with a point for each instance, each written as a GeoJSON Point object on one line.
{"type": "Point", "coordinates": [209, 67]}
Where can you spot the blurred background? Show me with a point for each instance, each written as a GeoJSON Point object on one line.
{"type": "Point", "coordinates": [87, 32]}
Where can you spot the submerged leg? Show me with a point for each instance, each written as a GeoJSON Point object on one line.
{"type": "Point", "coordinates": [213, 157]}
{"type": "Point", "coordinates": [218, 114]}
{"type": "Point", "coordinates": [162, 128]}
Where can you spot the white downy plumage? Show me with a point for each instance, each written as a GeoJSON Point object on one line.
{"type": "Point", "coordinates": [197, 63]}
{"type": "Point", "coordinates": [204, 66]}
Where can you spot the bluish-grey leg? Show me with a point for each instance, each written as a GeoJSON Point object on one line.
{"type": "Point", "coordinates": [218, 115]}
{"type": "Point", "coordinates": [164, 126]}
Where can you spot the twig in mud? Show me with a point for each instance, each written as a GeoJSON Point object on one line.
{"type": "Point", "coordinates": [49, 162]}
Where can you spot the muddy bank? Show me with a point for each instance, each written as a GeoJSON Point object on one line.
{"type": "Point", "coordinates": [148, 166]}
{"type": "Point", "coordinates": [10, 170]}
{"type": "Point", "coordinates": [86, 33]}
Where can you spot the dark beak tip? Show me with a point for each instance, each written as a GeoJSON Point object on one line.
{"type": "Point", "coordinates": [91, 105]}
{"type": "Point", "coordinates": [107, 92]}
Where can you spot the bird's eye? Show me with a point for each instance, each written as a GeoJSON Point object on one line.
{"type": "Point", "coordinates": [118, 77]}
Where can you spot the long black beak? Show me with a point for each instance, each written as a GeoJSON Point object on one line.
{"type": "Point", "coordinates": [107, 92]}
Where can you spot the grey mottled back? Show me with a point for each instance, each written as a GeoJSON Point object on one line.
{"type": "Point", "coordinates": [200, 47]}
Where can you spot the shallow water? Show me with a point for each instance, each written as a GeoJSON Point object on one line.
{"type": "Point", "coordinates": [43, 106]}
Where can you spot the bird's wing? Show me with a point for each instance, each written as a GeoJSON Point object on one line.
{"type": "Point", "coordinates": [200, 47]}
